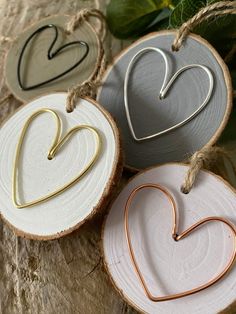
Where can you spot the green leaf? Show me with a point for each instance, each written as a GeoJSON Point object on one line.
{"type": "Point", "coordinates": [130, 18]}
{"type": "Point", "coordinates": [162, 16]}
{"type": "Point", "coordinates": [220, 31]}
{"type": "Point", "coordinates": [185, 9]}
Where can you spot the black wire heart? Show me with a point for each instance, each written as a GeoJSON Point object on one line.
{"type": "Point", "coordinates": [51, 55]}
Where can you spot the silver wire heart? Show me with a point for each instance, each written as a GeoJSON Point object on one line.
{"type": "Point", "coordinates": [163, 91]}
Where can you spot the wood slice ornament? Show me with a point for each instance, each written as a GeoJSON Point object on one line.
{"type": "Point", "coordinates": [38, 159]}
{"type": "Point", "coordinates": [151, 95]}
{"type": "Point", "coordinates": [39, 65]}
{"type": "Point", "coordinates": [168, 266]}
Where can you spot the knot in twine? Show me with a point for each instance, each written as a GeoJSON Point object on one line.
{"type": "Point", "coordinates": [214, 10]}
{"type": "Point", "coordinates": [84, 15]}
{"type": "Point", "coordinates": [87, 88]}
{"type": "Point", "coordinates": [76, 20]}
{"type": "Point", "coordinates": [206, 158]}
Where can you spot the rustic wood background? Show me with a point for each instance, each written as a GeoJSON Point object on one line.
{"type": "Point", "coordinates": [65, 275]}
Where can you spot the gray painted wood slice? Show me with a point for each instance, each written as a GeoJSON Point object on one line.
{"type": "Point", "coordinates": [37, 68]}
{"type": "Point", "coordinates": [170, 267]}
{"type": "Point", "coordinates": [40, 176]}
{"type": "Point", "coordinates": [151, 115]}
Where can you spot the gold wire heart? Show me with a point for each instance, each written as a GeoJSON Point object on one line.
{"type": "Point", "coordinates": [57, 144]}
{"type": "Point", "coordinates": [166, 85]}
{"type": "Point", "coordinates": [176, 237]}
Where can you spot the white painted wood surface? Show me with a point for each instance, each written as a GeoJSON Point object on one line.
{"type": "Point", "coordinates": [40, 176]}
{"type": "Point", "coordinates": [168, 266]}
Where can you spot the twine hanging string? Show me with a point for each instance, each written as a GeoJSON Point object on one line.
{"type": "Point", "coordinates": [214, 10]}
{"type": "Point", "coordinates": [84, 15]}
{"type": "Point", "coordinates": [89, 86]}
{"type": "Point", "coordinates": [208, 156]}
{"type": "Point", "coordinates": [6, 98]}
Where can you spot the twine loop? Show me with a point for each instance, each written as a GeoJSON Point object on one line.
{"type": "Point", "coordinates": [206, 157]}
{"type": "Point", "coordinates": [84, 15]}
{"type": "Point", "coordinates": [76, 20]}
{"type": "Point", "coordinates": [89, 86]}
{"type": "Point", "coordinates": [214, 10]}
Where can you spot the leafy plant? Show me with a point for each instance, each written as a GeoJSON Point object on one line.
{"type": "Point", "coordinates": [133, 18]}
{"type": "Point", "coordinates": [221, 31]}
{"type": "Point", "coordinates": [129, 18]}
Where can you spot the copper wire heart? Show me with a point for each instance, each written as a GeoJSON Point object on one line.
{"type": "Point", "coordinates": [175, 237]}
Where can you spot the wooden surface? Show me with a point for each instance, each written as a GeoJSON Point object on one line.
{"type": "Point", "coordinates": [65, 275]}
{"type": "Point", "coordinates": [38, 176]}
{"type": "Point", "coordinates": [171, 267]}
{"type": "Point", "coordinates": [150, 115]}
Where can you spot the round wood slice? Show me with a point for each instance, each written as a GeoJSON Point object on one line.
{"type": "Point", "coordinates": [37, 68]}
{"type": "Point", "coordinates": [150, 115]}
{"type": "Point", "coordinates": [168, 266]}
{"type": "Point", "coordinates": [39, 176]}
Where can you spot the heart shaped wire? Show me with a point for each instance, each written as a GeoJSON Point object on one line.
{"type": "Point", "coordinates": [51, 54]}
{"type": "Point", "coordinates": [175, 237]}
{"type": "Point", "coordinates": [58, 142]}
{"type": "Point", "coordinates": [163, 91]}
